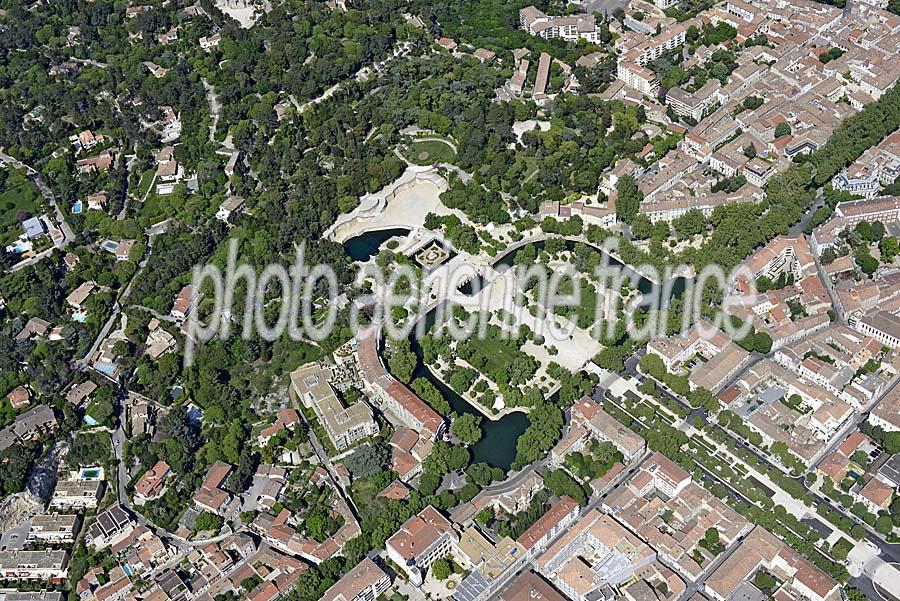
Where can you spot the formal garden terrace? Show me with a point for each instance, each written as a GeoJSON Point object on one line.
{"type": "Point", "coordinates": [528, 362]}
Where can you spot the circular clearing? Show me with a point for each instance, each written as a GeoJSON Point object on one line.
{"type": "Point", "coordinates": [423, 156]}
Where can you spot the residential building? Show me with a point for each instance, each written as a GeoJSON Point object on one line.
{"type": "Point", "coordinates": [76, 299]}
{"type": "Point", "coordinates": [97, 201]}
{"type": "Point", "coordinates": [594, 553]}
{"type": "Point", "coordinates": [184, 300]}
{"type": "Point", "coordinates": [54, 528]}
{"type": "Point", "coordinates": [72, 495]}
{"type": "Point", "coordinates": [675, 351]}
{"type": "Point", "coordinates": [159, 341]}
{"type": "Point", "coordinates": [570, 28]}
{"type": "Point", "coordinates": [19, 397]}
{"type": "Point", "coordinates": [110, 526]}
{"type": "Point", "coordinates": [344, 425]}
{"type": "Point", "coordinates": [422, 540]}
{"type": "Point", "coordinates": [101, 162]}
{"type": "Point", "coordinates": [784, 255]}
{"type": "Point", "coordinates": [762, 550]}
{"type": "Point", "coordinates": [31, 425]}
{"type": "Point", "coordinates": [675, 526]}
{"type": "Point", "coordinates": [400, 403]}
{"type": "Point", "coordinates": [834, 359]}
{"type": "Point", "coordinates": [210, 495]}
{"type": "Point", "coordinates": [542, 78]}
{"type": "Point", "coordinates": [889, 472]}
{"type": "Point", "coordinates": [487, 562]}
{"type": "Point", "coordinates": [365, 582]}
{"type": "Point", "coordinates": [33, 565]}
{"type": "Point", "coordinates": [885, 209]}
{"type": "Point", "coordinates": [231, 204]}
{"type": "Point", "coordinates": [152, 484]}
{"type": "Point", "coordinates": [883, 326]}
{"type": "Point", "coordinates": [555, 520]}
{"type": "Point", "coordinates": [287, 419]}
{"type": "Point", "coordinates": [41, 595]}
{"type": "Point", "coordinates": [447, 44]}
{"type": "Point", "coordinates": [511, 501]}
{"type": "Point", "coordinates": [718, 370]}
{"type": "Point", "coordinates": [210, 42]}
{"type": "Point", "coordinates": [886, 414]}
{"type": "Point", "coordinates": [408, 450]}
{"type": "Point", "coordinates": [696, 104]}
{"type": "Point", "coordinates": [34, 328]}
{"type": "Point", "coordinates": [268, 481]}
{"type": "Point", "coordinates": [530, 587]}
{"type": "Point", "coordinates": [876, 495]}
{"type": "Point", "coordinates": [589, 414]}
{"type": "Point", "coordinates": [666, 476]}
{"type": "Point", "coordinates": [484, 55]}
{"type": "Point", "coordinates": [279, 532]}
{"type": "Point", "coordinates": [155, 70]}
{"type": "Point", "coordinates": [121, 249]}
{"type": "Point", "coordinates": [638, 77]}
{"type": "Point", "coordinates": [168, 171]}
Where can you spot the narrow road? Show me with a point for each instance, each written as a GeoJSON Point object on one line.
{"type": "Point", "coordinates": [117, 308]}
{"type": "Point", "coordinates": [362, 74]}
{"type": "Point", "coordinates": [215, 108]}
{"type": "Point", "coordinates": [832, 294]}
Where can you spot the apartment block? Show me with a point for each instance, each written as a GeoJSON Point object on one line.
{"type": "Point", "coordinates": [570, 28]}
{"type": "Point", "coordinates": [54, 528]}
{"type": "Point", "coordinates": [33, 565]}
{"type": "Point", "coordinates": [674, 526]}
{"type": "Point", "coordinates": [365, 582]}
{"type": "Point", "coordinates": [595, 553]}
{"type": "Point", "coordinates": [109, 527]}
{"type": "Point", "coordinates": [422, 540]}
{"type": "Point", "coordinates": [555, 520]}
{"type": "Point", "coordinates": [763, 551]}
{"type": "Point", "coordinates": [71, 495]}
{"type": "Point", "coordinates": [882, 326]}
{"type": "Point", "coordinates": [401, 404]}
{"type": "Point", "coordinates": [589, 414]}
{"type": "Point", "coordinates": [344, 425]}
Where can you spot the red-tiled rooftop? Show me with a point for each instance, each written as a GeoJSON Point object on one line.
{"type": "Point", "coordinates": [216, 474]}
{"type": "Point", "coordinates": [396, 490]}
{"type": "Point", "coordinates": [853, 442]}
{"type": "Point", "coordinates": [152, 479]}
{"type": "Point", "coordinates": [405, 439]}
{"type": "Point", "coordinates": [419, 533]}
{"type": "Point", "coordinates": [431, 421]}
{"type": "Point", "coordinates": [546, 522]}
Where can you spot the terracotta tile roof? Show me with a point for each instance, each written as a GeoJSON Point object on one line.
{"type": "Point", "coordinates": [546, 522]}
{"type": "Point", "coordinates": [419, 533]}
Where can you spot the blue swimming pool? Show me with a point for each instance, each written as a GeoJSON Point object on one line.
{"type": "Point", "coordinates": [77, 208]}
{"type": "Point", "coordinates": [89, 473]}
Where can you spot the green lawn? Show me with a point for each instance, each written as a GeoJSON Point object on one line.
{"type": "Point", "coordinates": [154, 207]}
{"type": "Point", "coordinates": [19, 194]}
{"type": "Point", "coordinates": [428, 152]}
{"type": "Point", "coordinates": [144, 184]}
{"type": "Point", "coordinates": [498, 356]}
